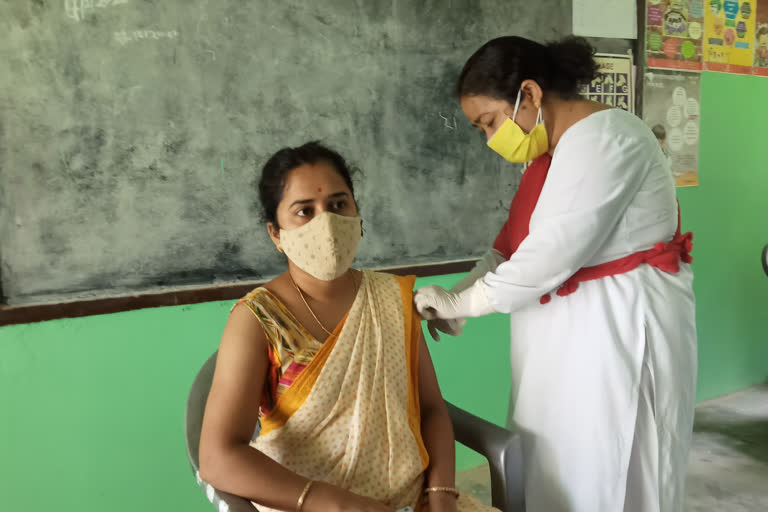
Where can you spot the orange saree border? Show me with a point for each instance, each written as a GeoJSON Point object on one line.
{"type": "Point", "coordinates": [294, 397]}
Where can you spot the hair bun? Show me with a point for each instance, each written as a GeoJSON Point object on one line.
{"type": "Point", "coordinates": [573, 60]}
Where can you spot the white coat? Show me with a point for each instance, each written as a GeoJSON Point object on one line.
{"type": "Point", "coordinates": [603, 380]}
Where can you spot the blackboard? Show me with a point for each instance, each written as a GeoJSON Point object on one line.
{"type": "Point", "coordinates": [132, 133]}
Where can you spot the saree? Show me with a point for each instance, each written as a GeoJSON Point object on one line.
{"type": "Point", "coordinates": [351, 416]}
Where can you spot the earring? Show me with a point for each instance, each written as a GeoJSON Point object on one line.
{"type": "Point", "coordinates": [279, 247]}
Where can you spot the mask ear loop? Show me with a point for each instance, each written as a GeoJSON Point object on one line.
{"type": "Point", "coordinates": [517, 105]}
{"type": "Point", "coordinates": [514, 115]}
{"type": "Point", "coordinates": [539, 120]}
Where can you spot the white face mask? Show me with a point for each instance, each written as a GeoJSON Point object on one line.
{"type": "Point", "coordinates": [325, 246]}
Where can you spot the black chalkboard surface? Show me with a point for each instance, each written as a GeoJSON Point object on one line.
{"type": "Point", "coordinates": [132, 133]}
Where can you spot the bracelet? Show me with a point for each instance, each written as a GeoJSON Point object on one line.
{"type": "Point", "coordinates": [303, 495]}
{"type": "Point", "coordinates": [451, 490]}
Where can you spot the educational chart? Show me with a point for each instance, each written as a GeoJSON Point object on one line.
{"type": "Point", "coordinates": [615, 83]}
{"type": "Point", "coordinates": [674, 30]}
{"type": "Point", "coordinates": [671, 109]}
{"type": "Point", "coordinates": [760, 61]}
{"type": "Point", "coordinates": [729, 40]}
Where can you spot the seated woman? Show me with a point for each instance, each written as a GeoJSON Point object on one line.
{"type": "Point", "coordinates": [351, 414]}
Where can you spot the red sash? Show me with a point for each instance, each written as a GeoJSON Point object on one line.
{"type": "Point", "coordinates": [664, 256]}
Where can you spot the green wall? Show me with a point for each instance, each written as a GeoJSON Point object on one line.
{"type": "Point", "coordinates": [728, 214]}
{"type": "Point", "coordinates": [93, 407]}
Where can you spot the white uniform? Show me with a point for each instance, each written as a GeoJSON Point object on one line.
{"type": "Point", "coordinates": [603, 380]}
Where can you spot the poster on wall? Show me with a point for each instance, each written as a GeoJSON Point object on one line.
{"type": "Point", "coordinates": [615, 84]}
{"type": "Point", "coordinates": [760, 61]}
{"type": "Point", "coordinates": [729, 36]}
{"type": "Point", "coordinates": [671, 109]}
{"type": "Point", "coordinates": [674, 34]}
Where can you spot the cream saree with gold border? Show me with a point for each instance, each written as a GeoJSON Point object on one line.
{"type": "Point", "coordinates": [351, 417]}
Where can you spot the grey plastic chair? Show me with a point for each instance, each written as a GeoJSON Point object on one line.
{"type": "Point", "coordinates": [500, 446]}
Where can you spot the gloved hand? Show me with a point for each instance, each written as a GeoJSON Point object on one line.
{"type": "Point", "coordinates": [436, 302]}
{"type": "Point", "coordinates": [452, 327]}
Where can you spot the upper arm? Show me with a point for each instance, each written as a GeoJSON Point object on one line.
{"type": "Point", "coordinates": [232, 410]}
{"type": "Point", "coordinates": [429, 390]}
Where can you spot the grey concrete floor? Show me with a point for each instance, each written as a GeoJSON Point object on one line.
{"type": "Point", "coordinates": [728, 468]}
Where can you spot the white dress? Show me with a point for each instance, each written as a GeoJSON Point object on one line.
{"type": "Point", "coordinates": [603, 380]}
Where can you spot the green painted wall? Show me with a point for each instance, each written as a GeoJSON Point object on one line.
{"type": "Point", "coordinates": [93, 407]}
{"type": "Point", "coordinates": [728, 213]}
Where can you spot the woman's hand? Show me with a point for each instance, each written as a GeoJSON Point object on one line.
{"type": "Point", "coordinates": [436, 302]}
{"type": "Point", "coordinates": [324, 497]}
{"type": "Point", "coordinates": [452, 327]}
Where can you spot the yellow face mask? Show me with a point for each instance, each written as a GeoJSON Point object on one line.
{"type": "Point", "coordinates": [511, 142]}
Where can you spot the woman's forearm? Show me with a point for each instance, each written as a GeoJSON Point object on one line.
{"type": "Point", "coordinates": [437, 433]}
{"type": "Point", "coordinates": [246, 472]}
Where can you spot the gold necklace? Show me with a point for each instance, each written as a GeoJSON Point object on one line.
{"type": "Point", "coordinates": [329, 333]}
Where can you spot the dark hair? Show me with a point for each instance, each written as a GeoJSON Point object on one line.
{"type": "Point", "coordinates": [501, 65]}
{"type": "Point", "coordinates": [659, 131]}
{"type": "Point", "coordinates": [277, 168]}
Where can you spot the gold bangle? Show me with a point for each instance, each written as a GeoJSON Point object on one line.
{"type": "Point", "coordinates": [303, 496]}
{"type": "Point", "coordinates": [451, 490]}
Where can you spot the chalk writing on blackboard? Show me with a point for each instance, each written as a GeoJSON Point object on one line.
{"type": "Point", "coordinates": [78, 9]}
{"type": "Point", "coordinates": [128, 36]}
{"type": "Point", "coordinates": [446, 123]}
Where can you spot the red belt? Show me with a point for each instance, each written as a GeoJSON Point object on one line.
{"type": "Point", "coordinates": [664, 256]}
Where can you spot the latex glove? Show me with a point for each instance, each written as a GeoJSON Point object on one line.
{"type": "Point", "coordinates": [451, 327]}
{"type": "Point", "coordinates": [436, 302]}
